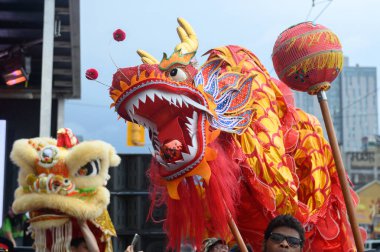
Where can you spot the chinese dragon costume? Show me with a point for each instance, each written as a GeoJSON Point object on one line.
{"type": "Point", "coordinates": [61, 182]}
{"type": "Point", "coordinates": [228, 140]}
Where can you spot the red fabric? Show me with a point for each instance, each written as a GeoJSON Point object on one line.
{"type": "Point", "coordinates": [286, 92]}
{"type": "Point", "coordinates": [193, 213]}
{"type": "Point", "coordinates": [66, 139]}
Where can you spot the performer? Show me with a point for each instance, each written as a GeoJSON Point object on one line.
{"type": "Point", "coordinates": [284, 232]}
{"type": "Point", "coordinates": [62, 185]}
{"type": "Point", "coordinates": [13, 227]}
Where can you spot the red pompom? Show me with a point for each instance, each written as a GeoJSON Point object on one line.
{"type": "Point", "coordinates": [91, 74]}
{"type": "Point", "coordinates": [119, 35]}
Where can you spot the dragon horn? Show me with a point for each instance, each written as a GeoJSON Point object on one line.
{"type": "Point", "coordinates": [189, 40]}
{"type": "Point", "coordinates": [147, 58]}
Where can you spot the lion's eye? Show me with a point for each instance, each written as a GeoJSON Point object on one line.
{"type": "Point", "coordinates": [90, 169]}
{"type": "Point", "coordinates": [177, 74]}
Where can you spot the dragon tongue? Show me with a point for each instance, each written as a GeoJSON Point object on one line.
{"type": "Point", "coordinates": [172, 141]}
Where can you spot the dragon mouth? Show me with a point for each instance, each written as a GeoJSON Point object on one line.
{"type": "Point", "coordinates": [175, 118]}
{"type": "Point", "coordinates": [47, 218]}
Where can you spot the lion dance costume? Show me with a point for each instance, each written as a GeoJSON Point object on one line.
{"type": "Point", "coordinates": [62, 181]}
{"type": "Point", "coordinates": [227, 136]}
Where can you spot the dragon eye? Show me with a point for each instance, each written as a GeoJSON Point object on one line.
{"type": "Point", "coordinates": [90, 169]}
{"type": "Point", "coordinates": [177, 74]}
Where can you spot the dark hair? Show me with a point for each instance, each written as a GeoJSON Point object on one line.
{"type": "Point", "coordinates": [285, 221]}
{"type": "Point", "coordinates": [17, 221]}
{"type": "Point", "coordinates": [76, 242]}
{"type": "Point", "coordinates": [236, 248]}
{"type": "Point", "coordinates": [213, 245]}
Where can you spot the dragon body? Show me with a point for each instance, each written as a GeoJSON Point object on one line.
{"type": "Point", "coordinates": [228, 141]}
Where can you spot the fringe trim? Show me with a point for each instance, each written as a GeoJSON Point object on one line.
{"type": "Point", "coordinates": [40, 240]}
{"type": "Point", "coordinates": [312, 39]}
{"type": "Point", "coordinates": [329, 59]}
{"type": "Point", "coordinates": [61, 238]}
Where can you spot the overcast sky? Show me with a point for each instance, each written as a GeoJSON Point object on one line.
{"type": "Point", "coordinates": [151, 25]}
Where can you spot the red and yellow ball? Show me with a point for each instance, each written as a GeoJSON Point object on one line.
{"type": "Point", "coordinates": [307, 57]}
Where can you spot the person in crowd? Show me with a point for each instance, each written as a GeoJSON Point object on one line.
{"type": "Point", "coordinates": [13, 227]}
{"type": "Point", "coordinates": [214, 245]}
{"type": "Point", "coordinates": [78, 245]}
{"type": "Point", "coordinates": [87, 243]}
{"type": "Point", "coordinates": [284, 233]}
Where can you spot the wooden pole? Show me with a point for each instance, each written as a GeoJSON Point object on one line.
{"type": "Point", "coordinates": [322, 98]}
{"type": "Point", "coordinates": [236, 233]}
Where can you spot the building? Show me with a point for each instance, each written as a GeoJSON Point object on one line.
{"type": "Point", "coordinates": [368, 210]}
{"type": "Point", "coordinates": [363, 167]}
{"type": "Point", "coordinates": [364, 170]}
{"type": "Point", "coordinates": [352, 102]}
{"type": "Point", "coordinates": [129, 208]}
{"type": "Point", "coordinates": [21, 76]}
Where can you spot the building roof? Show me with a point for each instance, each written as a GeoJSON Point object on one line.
{"type": "Point", "coordinates": [21, 31]}
{"type": "Point", "coordinates": [366, 186]}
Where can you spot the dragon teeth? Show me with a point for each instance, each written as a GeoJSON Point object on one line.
{"type": "Point", "coordinates": [161, 161]}
{"type": "Point", "coordinates": [131, 112]}
{"type": "Point", "coordinates": [192, 150]}
{"type": "Point", "coordinates": [150, 94]}
{"type": "Point", "coordinates": [195, 104]}
{"type": "Point", "coordinates": [190, 120]}
{"type": "Point", "coordinates": [180, 162]}
{"type": "Point", "coordinates": [172, 166]}
{"type": "Point", "coordinates": [189, 128]}
{"type": "Point", "coordinates": [179, 100]}
{"type": "Point", "coordinates": [186, 157]}
{"type": "Point", "coordinates": [142, 98]}
{"type": "Point", "coordinates": [175, 100]}
{"type": "Point", "coordinates": [184, 102]}
{"type": "Point", "coordinates": [159, 95]}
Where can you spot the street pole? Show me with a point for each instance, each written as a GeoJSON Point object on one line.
{"type": "Point", "coordinates": [47, 69]}
{"type": "Point", "coordinates": [322, 98]}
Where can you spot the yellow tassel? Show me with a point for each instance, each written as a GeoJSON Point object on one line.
{"type": "Point", "coordinates": [311, 39]}
{"type": "Point", "coordinates": [324, 60]}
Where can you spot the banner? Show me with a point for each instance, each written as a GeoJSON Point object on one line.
{"type": "Point", "coordinates": [135, 134]}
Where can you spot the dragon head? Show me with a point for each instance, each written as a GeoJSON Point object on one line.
{"type": "Point", "coordinates": [184, 108]}
{"type": "Point", "coordinates": [163, 97]}
{"type": "Point", "coordinates": [62, 180]}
